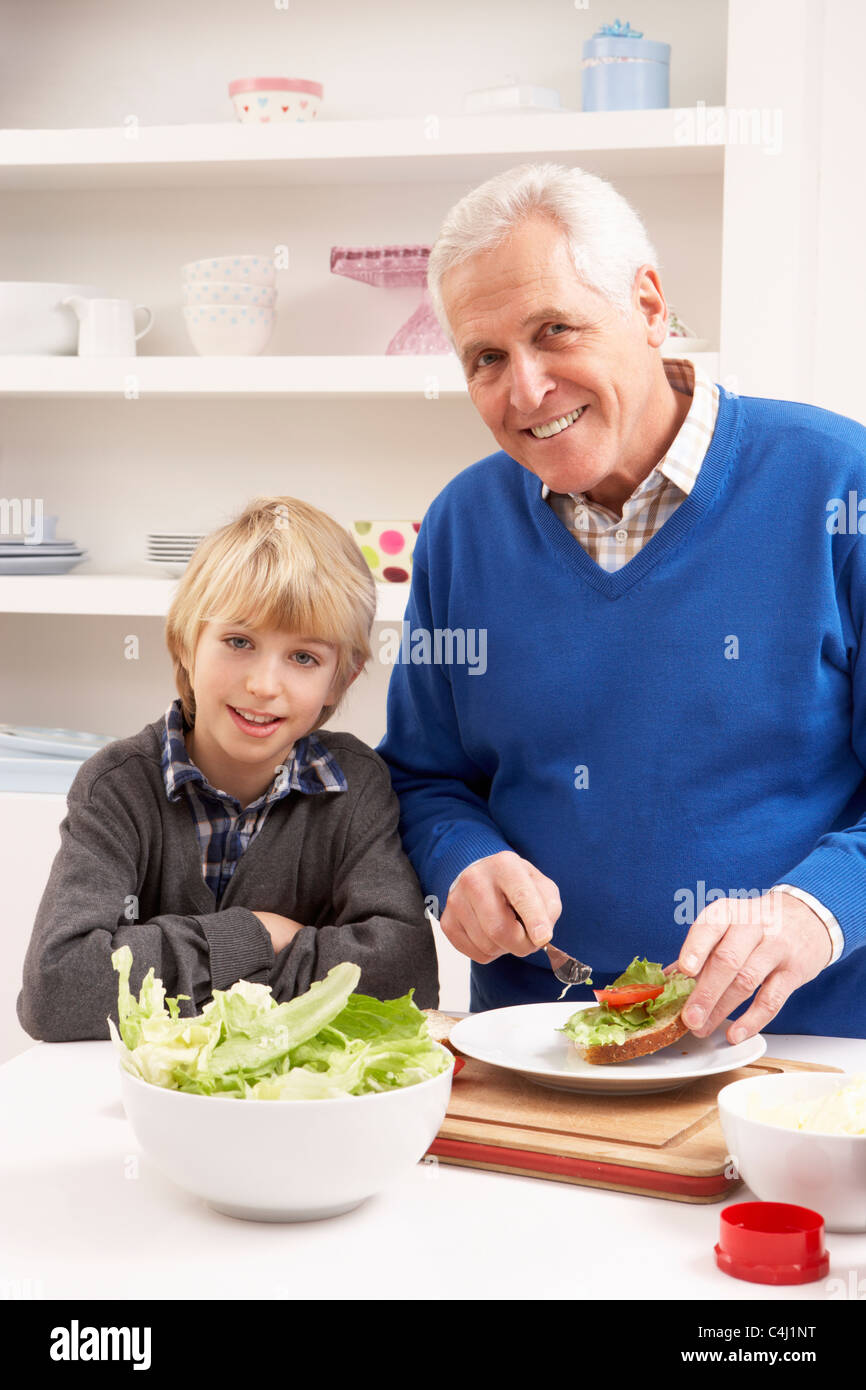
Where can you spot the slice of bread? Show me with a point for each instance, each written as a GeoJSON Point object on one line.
{"type": "Point", "coordinates": [440, 1025]}
{"type": "Point", "coordinates": [666, 1030]}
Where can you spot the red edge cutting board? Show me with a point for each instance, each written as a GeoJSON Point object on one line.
{"type": "Point", "coordinates": [661, 1144]}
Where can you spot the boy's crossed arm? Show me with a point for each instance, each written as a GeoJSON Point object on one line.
{"type": "Point", "coordinates": [376, 917]}
{"type": "Point", "coordinates": [89, 909]}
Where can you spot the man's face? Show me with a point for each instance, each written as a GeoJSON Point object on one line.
{"type": "Point", "coordinates": [537, 345]}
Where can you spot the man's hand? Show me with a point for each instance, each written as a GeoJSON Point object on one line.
{"type": "Point", "coordinates": [481, 915]}
{"type": "Point", "coordinates": [771, 944]}
{"type": "Point", "coordinates": [281, 930]}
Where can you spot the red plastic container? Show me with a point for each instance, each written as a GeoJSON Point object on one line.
{"type": "Point", "coordinates": [772, 1243]}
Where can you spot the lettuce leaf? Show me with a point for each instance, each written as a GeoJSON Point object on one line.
{"type": "Point", "coordinates": [326, 1042]}
{"type": "Point", "coordinates": [595, 1027]}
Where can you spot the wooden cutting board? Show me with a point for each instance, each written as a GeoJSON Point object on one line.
{"type": "Point", "coordinates": [663, 1144]}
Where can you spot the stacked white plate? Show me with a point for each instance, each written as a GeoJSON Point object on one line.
{"type": "Point", "coordinates": [170, 551]}
{"type": "Point", "coordinates": [43, 760]}
{"type": "Point", "coordinates": [230, 304]}
{"type": "Point", "coordinates": [48, 557]}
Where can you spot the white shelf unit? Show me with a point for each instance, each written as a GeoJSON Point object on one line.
{"type": "Point", "coordinates": [297, 377]}
{"type": "Point", "coordinates": [116, 595]}
{"type": "Point", "coordinates": [233, 156]}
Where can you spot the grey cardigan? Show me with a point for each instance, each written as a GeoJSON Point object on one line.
{"type": "Point", "coordinates": [128, 871]}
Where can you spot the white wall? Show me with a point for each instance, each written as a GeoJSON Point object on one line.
{"type": "Point", "coordinates": [793, 290]}
{"type": "Point", "coordinates": [840, 282]}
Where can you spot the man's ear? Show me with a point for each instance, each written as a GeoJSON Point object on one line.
{"type": "Point", "coordinates": [651, 302]}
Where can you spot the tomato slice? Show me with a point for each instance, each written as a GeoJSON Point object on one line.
{"type": "Point", "coordinates": [623, 996]}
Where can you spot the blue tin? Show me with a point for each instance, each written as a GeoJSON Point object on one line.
{"type": "Point", "coordinates": [624, 74]}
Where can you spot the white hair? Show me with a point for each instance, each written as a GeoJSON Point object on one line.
{"type": "Point", "coordinates": [606, 237]}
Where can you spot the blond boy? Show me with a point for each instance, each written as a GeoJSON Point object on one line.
{"type": "Point", "coordinates": [233, 838]}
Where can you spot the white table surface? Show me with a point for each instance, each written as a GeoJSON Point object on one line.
{"type": "Point", "coordinates": [83, 1215]}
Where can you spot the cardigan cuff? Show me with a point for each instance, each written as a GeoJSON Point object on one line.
{"type": "Point", "coordinates": [835, 877]}
{"type": "Point", "coordinates": [240, 946]}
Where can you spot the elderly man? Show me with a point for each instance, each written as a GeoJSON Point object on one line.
{"type": "Point", "coordinates": [665, 754]}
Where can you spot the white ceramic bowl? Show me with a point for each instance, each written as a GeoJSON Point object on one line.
{"type": "Point", "coordinates": [247, 270]}
{"type": "Point", "coordinates": [285, 1160]}
{"type": "Point", "coordinates": [263, 100]}
{"type": "Point", "coordinates": [826, 1172]}
{"type": "Point", "coordinates": [34, 322]}
{"type": "Point", "coordinates": [228, 330]}
{"type": "Point", "coordinates": [228, 292]}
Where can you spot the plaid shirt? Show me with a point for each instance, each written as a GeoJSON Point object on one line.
{"type": "Point", "coordinates": [224, 827]}
{"type": "Point", "coordinates": [612, 540]}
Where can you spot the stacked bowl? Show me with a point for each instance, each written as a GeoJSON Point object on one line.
{"type": "Point", "coordinates": [171, 551]}
{"type": "Point", "coordinates": [229, 304]}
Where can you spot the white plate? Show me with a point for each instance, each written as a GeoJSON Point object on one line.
{"type": "Point", "coordinates": [169, 567]}
{"type": "Point", "coordinates": [44, 547]}
{"type": "Point", "coordinates": [60, 743]}
{"type": "Point", "coordinates": [40, 552]}
{"type": "Point", "coordinates": [40, 564]}
{"type": "Point", "coordinates": [52, 776]}
{"type": "Point", "coordinates": [524, 1039]}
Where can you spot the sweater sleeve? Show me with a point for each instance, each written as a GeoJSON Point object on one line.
{"type": "Point", "coordinates": [378, 919]}
{"type": "Point", "coordinates": [444, 816]}
{"type": "Point", "coordinates": [834, 871]}
{"type": "Point", "coordinates": [88, 910]}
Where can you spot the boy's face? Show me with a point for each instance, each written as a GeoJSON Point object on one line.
{"type": "Point", "coordinates": [240, 671]}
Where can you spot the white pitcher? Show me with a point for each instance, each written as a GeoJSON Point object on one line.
{"type": "Point", "coordinates": [107, 326]}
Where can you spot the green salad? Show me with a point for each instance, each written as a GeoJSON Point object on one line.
{"type": "Point", "coordinates": [327, 1042]}
{"type": "Point", "coordinates": [595, 1027]}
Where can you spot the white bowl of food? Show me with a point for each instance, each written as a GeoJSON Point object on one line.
{"type": "Point", "coordinates": [245, 270]}
{"type": "Point", "coordinates": [800, 1137]}
{"type": "Point", "coordinates": [229, 330]}
{"type": "Point", "coordinates": [285, 1160]}
{"type": "Point", "coordinates": [228, 292]}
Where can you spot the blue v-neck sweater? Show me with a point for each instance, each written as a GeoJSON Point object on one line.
{"type": "Point", "coordinates": [692, 725]}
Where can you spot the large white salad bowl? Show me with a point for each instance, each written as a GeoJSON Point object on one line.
{"type": "Point", "coordinates": [285, 1160]}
